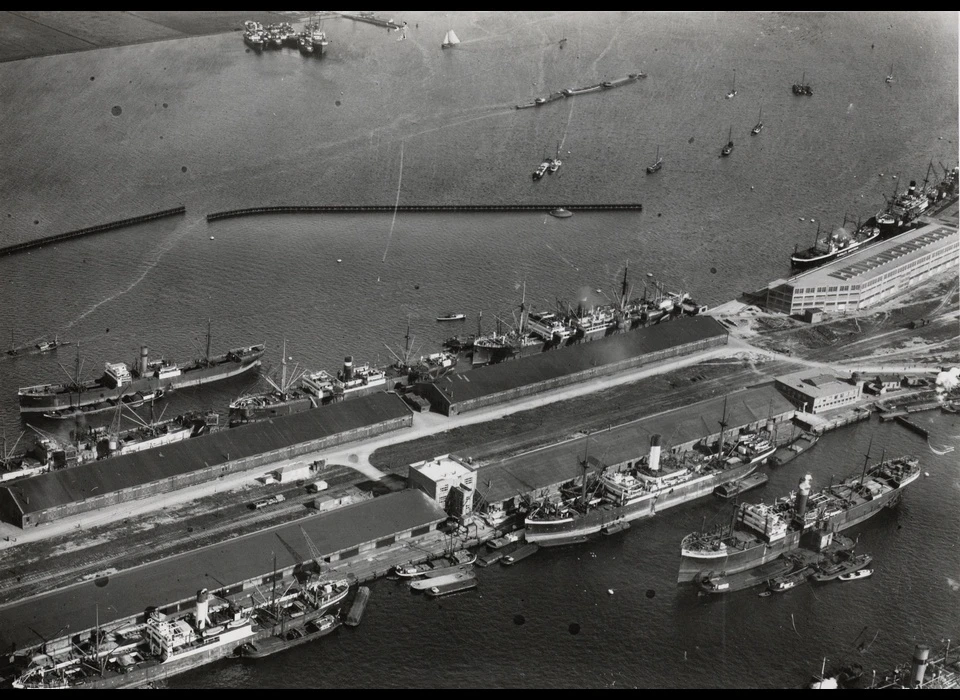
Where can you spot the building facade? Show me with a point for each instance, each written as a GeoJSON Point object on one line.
{"type": "Point", "coordinates": [448, 481]}
{"type": "Point", "coordinates": [813, 392]}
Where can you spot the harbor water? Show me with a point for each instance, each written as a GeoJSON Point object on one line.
{"type": "Point", "coordinates": [97, 136]}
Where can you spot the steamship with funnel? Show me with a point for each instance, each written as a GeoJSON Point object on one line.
{"type": "Point", "coordinates": [760, 533]}
{"type": "Point", "coordinates": [610, 500]}
{"type": "Point", "coordinates": [120, 381]}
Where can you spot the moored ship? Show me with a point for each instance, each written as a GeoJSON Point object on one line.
{"type": "Point", "coordinates": [761, 533]}
{"type": "Point", "coordinates": [119, 381]}
{"type": "Point", "coordinates": [839, 244]}
{"type": "Point", "coordinates": [653, 484]}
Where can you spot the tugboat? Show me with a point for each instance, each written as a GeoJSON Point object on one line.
{"type": "Point", "coordinates": [889, 78]}
{"type": "Point", "coordinates": [655, 168]}
{"type": "Point", "coordinates": [856, 575]}
{"type": "Point", "coordinates": [759, 127]}
{"type": "Point", "coordinates": [541, 169]}
{"type": "Point", "coordinates": [728, 149]}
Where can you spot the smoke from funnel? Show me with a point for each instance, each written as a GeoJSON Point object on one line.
{"type": "Point", "coordinates": [948, 380]}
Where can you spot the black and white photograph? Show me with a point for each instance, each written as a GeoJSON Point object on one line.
{"type": "Point", "coordinates": [479, 349]}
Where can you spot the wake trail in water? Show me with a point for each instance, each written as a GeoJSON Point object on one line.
{"type": "Point", "coordinates": [163, 250]}
{"type": "Point", "coordinates": [563, 258]}
{"type": "Point", "coordinates": [395, 205]}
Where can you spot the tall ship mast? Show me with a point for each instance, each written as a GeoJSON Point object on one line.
{"type": "Point", "coordinates": [120, 381]}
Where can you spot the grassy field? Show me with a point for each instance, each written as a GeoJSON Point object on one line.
{"type": "Point", "coordinates": [27, 34]}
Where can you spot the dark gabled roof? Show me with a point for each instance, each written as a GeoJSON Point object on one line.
{"type": "Point", "coordinates": [64, 486]}
{"type": "Point", "coordinates": [556, 363]}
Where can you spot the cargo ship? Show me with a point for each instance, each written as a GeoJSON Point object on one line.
{"type": "Point", "coordinates": [839, 244]}
{"type": "Point", "coordinates": [653, 484]}
{"type": "Point", "coordinates": [761, 533]}
{"type": "Point", "coordinates": [119, 381]}
{"type": "Point", "coordinates": [165, 645]}
{"type": "Point", "coordinates": [902, 210]}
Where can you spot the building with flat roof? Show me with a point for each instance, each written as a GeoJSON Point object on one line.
{"type": "Point", "coordinates": [867, 277]}
{"type": "Point", "coordinates": [448, 481]}
{"type": "Point", "coordinates": [815, 392]}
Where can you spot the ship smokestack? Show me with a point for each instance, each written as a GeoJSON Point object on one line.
{"type": "Point", "coordinates": [920, 655]}
{"type": "Point", "coordinates": [803, 493]}
{"type": "Point", "coordinates": [913, 186]}
{"type": "Point", "coordinates": [144, 353]}
{"type": "Point", "coordinates": [203, 604]}
{"type": "Point", "coordinates": [654, 459]}
{"type": "Point", "coordinates": [348, 368]}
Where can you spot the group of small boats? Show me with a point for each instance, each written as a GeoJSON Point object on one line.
{"type": "Point", "coordinates": [442, 576]}
{"type": "Point", "coordinates": [275, 36]}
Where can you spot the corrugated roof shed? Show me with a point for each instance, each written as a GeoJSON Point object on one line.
{"type": "Point", "coordinates": [542, 468]}
{"type": "Point", "coordinates": [556, 363]}
{"type": "Point", "coordinates": [164, 582]}
{"type": "Point", "coordinates": [97, 478]}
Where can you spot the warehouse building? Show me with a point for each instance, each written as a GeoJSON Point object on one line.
{"type": "Point", "coordinates": [505, 483]}
{"type": "Point", "coordinates": [234, 569]}
{"type": "Point", "coordinates": [815, 392]}
{"type": "Point", "coordinates": [65, 492]}
{"type": "Point", "coordinates": [868, 277]}
{"type": "Point", "coordinates": [486, 386]}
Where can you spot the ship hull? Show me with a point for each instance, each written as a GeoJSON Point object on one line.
{"type": "Point", "coordinates": [581, 528]}
{"type": "Point", "coordinates": [760, 553]}
{"type": "Point", "coordinates": [62, 399]}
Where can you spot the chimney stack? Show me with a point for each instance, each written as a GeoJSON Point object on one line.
{"type": "Point", "coordinates": [203, 605]}
{"type": "Point", "coordinates": [348, 368]}
{"type": "Point", "coordinates": [654, 459]}
{"type": "Point", "coordinates": [920, 655]}
{"type": "Point", "coordinates": [803, 492]}
{"type": "Point", "coordinates": [144, 352]}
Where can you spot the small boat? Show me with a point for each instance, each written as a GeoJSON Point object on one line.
{"type": "Point", "coordinates": [759, 127]}
{"type": "Point", "coordinates": [788, 581]}
{"type": "Point", "coordinates": [519, 555]}
{"type": "Point", "coordinates": [48, 345]}
{"type": "Point", "coordinates": [606, 84]}
{"type": "Point", "coordinates": [890, 74]}
{"type": "Point", "coordinates": [802, 88]}
{"type": "Point", "coordinates": [450, 316]}
{"type": "Point", "coordinates": [735, 488]}
{"type": "Point", "coordinates": [733, 90]}
{"type": "Point", "coordinates": [541, 169]}
{"type": "Point", "coordinates": [437, 581]}
{"type": "Point", "coordinates": [449, 588]}
{"type": "Point", "coordinates": [554, 165]}
{"type": "Point", "coordinates": [854, 575]}
{"type": "Point", "coordinates": [561, 213]}
{"type": "Point", "coordinates": [450, 40]}
{"type": "Point", "coordinates": [651, 169]}
{"type": "Point", "coordinates": [728, 149]}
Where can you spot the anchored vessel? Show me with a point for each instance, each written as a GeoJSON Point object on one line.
{"type": "Point", "coordinates": [652, 485]}
{"type": "Point", "coordinates": [120, 381]}
{"type": "Point", "coordinates": [761, 533]}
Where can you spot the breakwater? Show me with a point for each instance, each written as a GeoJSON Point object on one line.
{"type": "Point", "coordinates": [363, 208]}
{"type": "Point", "coordinates": [100, 228]}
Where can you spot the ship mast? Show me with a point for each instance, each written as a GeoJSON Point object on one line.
{"type": "Point", "coordinates": [865, 460]}
{"type": "Point", "coordinates": [208, 342]}
{"type": "Point", "coordinates": [583, 468]}
{"type": "Point", "coordinates": [283, 371]}
{"type": "Point", "coordinates": [723, 428]}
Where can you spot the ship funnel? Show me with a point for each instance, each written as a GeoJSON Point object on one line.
{"type": "Point", "coordinates": [203, 605]}
{"type": "Point", "coordinates": [144, 353]}
{"type": "Point", "coordinates": [920, 655]}
{"type": "Point", "coordinates": [348, 368]}
{"type": "Point", "coordinates": [654, 459]}
{"type": "Point", "coordinates": [803, 493]}
{"type": "Point", "coordinates": [913, 186]}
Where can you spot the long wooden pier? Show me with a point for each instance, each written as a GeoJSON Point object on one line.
{"type": "Point", "coordinates": [364, 208]}
{"type": "Point", "coordinates": [100, 228]}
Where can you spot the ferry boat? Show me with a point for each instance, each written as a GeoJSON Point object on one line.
{"type": "Point", "coordinates": [119, 380]}
{"type": "Point", "coordinates": [650, 486]}
{"type": "Point", "coordinates": [762, 532]}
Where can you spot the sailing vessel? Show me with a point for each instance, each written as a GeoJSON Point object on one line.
{"type": "Point", "coordinates": [657, 165]}
{"type": "Point", "coordinates": [802, 88]}
{"type": "Point", "coordinates": [449, 40]}
{"type": "Point", "coordinates": [890, 74]}
{"type": "Point", "coordinates": [733, 90]}
{"type": "Point", "coordinates": [759, 127]}
{"type": "Point", "coordinates": [728, 149]}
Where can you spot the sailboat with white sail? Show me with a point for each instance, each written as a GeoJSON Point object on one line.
{"type": "Point", "coordinates": [759, 127]}
{"type": "Point", "coordinates": [449, 40]}
{"type": "Point", "coordinates": [733, 90]}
